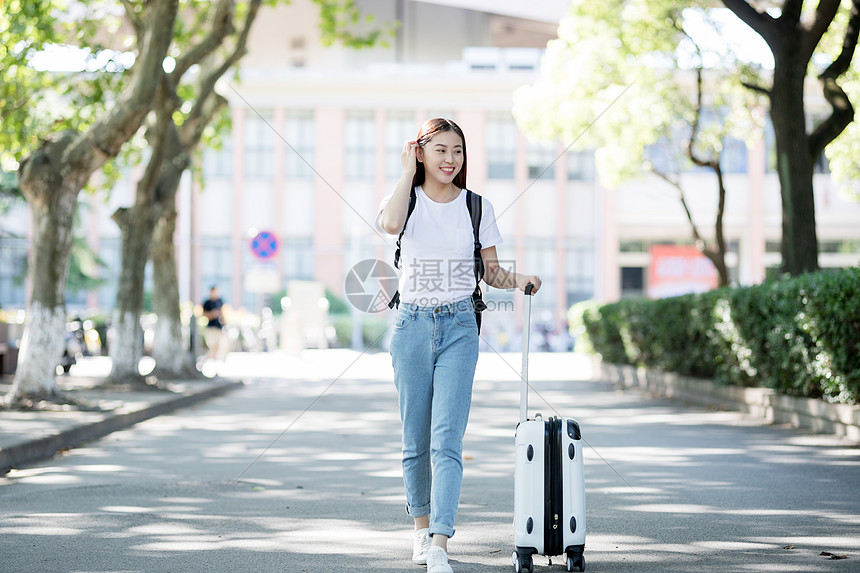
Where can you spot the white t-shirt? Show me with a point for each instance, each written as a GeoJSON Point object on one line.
{"type": "Point", "coordinates": [438, 248]}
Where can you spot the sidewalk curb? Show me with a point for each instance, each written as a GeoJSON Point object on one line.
{"type": "Point", "coordinates": [764, 403]}
{"type": "Point", "coordinates": [29, 451]}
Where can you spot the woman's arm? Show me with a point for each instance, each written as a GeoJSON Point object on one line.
{"type": "Point", "coordinates": [501, 278]}
{"type": "Point", "coordinates": [393, 216]}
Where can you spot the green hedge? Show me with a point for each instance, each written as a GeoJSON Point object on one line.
{"type": "Point", "coordinates": [800, 336]}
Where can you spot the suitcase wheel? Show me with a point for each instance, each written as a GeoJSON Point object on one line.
{"type": "Point", "coordinates": [522, 564]}
{"type": "Point", "coordinates": [575, 561]}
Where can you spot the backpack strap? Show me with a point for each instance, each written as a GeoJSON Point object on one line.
{"type": "Point", "coordinates": [395, 300]}
{"type": "Point", "coordinates": [412, 200]}
{"type": "Point", "coordinates": [475, 204]}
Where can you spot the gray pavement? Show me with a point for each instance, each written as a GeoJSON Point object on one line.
{"type": "Point", "coordinates": [93, 411]}
{"type": "Point", "coordinates": [298, 470]}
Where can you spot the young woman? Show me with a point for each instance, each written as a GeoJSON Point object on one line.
{"type": "Point", "coordinates": [434, 346]}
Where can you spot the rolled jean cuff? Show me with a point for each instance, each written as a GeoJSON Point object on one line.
{"type": "Point", "coordinates": [438, 529]}
{"type": "Point", "coordinates": [419, 511]}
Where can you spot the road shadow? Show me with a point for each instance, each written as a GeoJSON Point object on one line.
{"type": "Point", "coordinates": [286, 475]}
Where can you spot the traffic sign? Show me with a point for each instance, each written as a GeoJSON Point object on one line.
{"type": "Point", "coordinates": [264, 245]}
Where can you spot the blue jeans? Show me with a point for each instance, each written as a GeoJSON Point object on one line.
{"type": "Point", "coordinates": [434, 351]}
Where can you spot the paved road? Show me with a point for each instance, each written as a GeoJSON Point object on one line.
{"type": "Point", "coordinates": [246, 482]}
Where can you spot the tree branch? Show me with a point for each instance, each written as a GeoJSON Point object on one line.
{"type": "Point", "coordinates": [691, 153]}
{"type": "Point", "coordinates": [757, 88]}
{"type": "Point", "coordinates": [221, 27]}
{"type": "Point", "coordinates": [849, 43]}
{"type": "Point", "coordinates": [14, 107]}
{"type": "Point", "coordinates": [106, 136]}
{"type": "Point", "coordinates": [208, 81]}
{"type": "Point", "coordinates": [718, 255]}
{"type": "Point", "coordinates": [761, 22]}
{"type": "Point", "coordinates": [791, 11]}
{"type": "Point", "coordinates": [241, 43]}
{"type": "Point", "coordinates": [824, 15]}
{"type": "Point", "coordinates": [191, 131]}
{"type": "Point", "coordinates": [157, 138]}
{"type": "Point", "coordinates": [135, 20]}
{"type": "Point", "coordinates": [842, 110]}
{"type": "Point", "coordinates": [677, 185]}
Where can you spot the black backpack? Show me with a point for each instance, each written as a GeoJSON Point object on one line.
{"type": "Point", "coordinates": [474, 204]}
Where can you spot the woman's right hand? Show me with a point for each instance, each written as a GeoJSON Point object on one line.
{"type": "Point", "coordinates": [409, 156]}
{"type": "Point", "coordinates": [393, 217]}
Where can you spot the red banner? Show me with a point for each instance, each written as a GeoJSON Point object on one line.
{"type": "Point", "coordinates": [677, 270]}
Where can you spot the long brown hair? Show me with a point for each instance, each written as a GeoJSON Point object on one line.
{"type": "Point", "coordinates": [430, 128]}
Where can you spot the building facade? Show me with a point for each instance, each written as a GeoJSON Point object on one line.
{"type": "Point", "coordinates": [315, 145]}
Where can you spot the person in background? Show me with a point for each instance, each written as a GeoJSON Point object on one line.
{"type": "Point", "coordinates": [214, 335]}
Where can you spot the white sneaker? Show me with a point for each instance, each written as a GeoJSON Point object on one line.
{"type": "Point", "coordinates": [420, 545]}
{"type": "Point", "coordinates": [437, 560]}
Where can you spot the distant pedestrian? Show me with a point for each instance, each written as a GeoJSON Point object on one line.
{"type": "Point", "coordinates": [434, 347]}
{"type": "Point", "coordinates": [214, 335]}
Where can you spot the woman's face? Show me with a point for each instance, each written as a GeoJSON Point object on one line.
{"type": "Point", "coordinates": [442, 157]}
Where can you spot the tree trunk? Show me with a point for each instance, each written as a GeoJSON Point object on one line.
{"type": "Point", "coordinates": [173, 358]}
{"type": "Point", "coordinates": [126, 348]}
{"type": "Point", "coordinates": [718, 255]}
{"type": "Point", "coordinates": [719, 263]}
{"type": "Point", "coordinates": [52, 196]}
{"type": "Point", "coordinates": [794, 165]}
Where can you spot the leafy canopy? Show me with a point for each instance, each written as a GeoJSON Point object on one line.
{"type": "Point", "coordinates": [40, 92]}
{"type": "Point", "coordinates": [620, 79]}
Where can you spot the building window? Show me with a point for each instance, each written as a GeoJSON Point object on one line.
{"type": "Point", "coordinates": [580, 165]}
{"type": "Point", "coordinates": [634, 246]}
{"type": "Point", "coordinates": [298, 52]}
{"type": "Point", "coordinates": [501, 136]}
{"type": "Point", "coordinates": [301, 142]}
{"type": "Point", "coordinates": [663, 156]}
{"type": "Point", "coordinates": [399, 128]}
{"type": "Point", "coordinates": [580, 268]}
{"type": "Point", "coordinates": [632, 281]}
{"type": "Point", "coordinates": [541, 159]}
{"type": "Point", "coordinates": [109, 251]}
{"type": "Point", "coordinates": [360, 145]}
{"type": "Point", "coordinates": [13, 272]}
{"type": "Point", "coordinates": [259, 145]}
{"type": "Point", "coordinates": [842, 246]}
{"type": "Point", "coordinates": [298, 258]}
{"type": "Point", "coordinates": [734, 156]}
{"type": "Point", "coordinates": [540, 257]}
{"type": "Point", "coordinates": [218, 162]}
{"type": "Point", "coordinates": [216, 266]}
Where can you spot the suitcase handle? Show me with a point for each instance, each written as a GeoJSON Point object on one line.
{"type": "Point", "coordinates": [524, 389]}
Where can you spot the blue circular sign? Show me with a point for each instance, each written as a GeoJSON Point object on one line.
{"type": "Point", "coordinates": [264, 245]}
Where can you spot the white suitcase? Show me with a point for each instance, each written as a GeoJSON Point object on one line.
{"type": "Point", "coordinates": [549, 485]}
